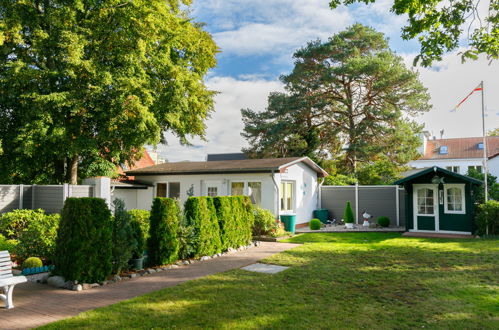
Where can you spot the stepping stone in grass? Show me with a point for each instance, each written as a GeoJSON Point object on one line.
{"type": "Point", "coordinates": [265, 268]}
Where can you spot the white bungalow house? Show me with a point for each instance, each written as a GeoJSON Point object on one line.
{"type": "Point", "coordinates": [281, 185]}
{"type": "Point", "coordinates": [459, 154]}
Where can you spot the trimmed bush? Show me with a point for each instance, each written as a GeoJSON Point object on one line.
{"type": "Point", "coordinates": [143, 218]}
{"type": "Point", "coordinates": [348, 216]}
{"type": "Point", "coordinates": [201, 214]}
{"type": "Point", "coordinates": [188, 241]}
{"type": "Point", "coordinates": [315, 224]}
{"type": "Point", "coordinates": [39, 237]}
{"type": "Point", "coordinates": [138, 236]}
{"type": "Point", "coordinates": [7, 244]}
{"type": "Point", "coordinates": [84, 241]}
{"type": "Point", "coordinates": [14, 222]}
{"type": "Point", "coordinates": [383, 221]}
{"type": "Point", "coordinates": [32, 262]}
{"type": "Point", "coordinates": [264, 221]}
{"type": "Point", "coordinates": [488, 216]}
{"type": "Point", "coordinates": [163, 244]}
{"type": "Point", "coordinates": [123, 237]}
{"type": "Point", "coordinates": [235, 219]}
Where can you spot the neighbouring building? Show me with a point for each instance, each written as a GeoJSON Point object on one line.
{"type": "Point", "coordinates": [458, 155]}
{"type": "Point", "coordinates": [281, 185]}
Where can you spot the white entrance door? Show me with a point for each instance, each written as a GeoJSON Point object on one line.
{"type": "Point", "coordinates": [426, 208]}
{"type": "Point", "coordinates": [213, 188]}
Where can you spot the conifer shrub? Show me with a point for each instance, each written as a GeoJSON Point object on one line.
{"type": "Point", "coordinates": [124, 241]}
{"type": "Point", "coordinates": [264, 223]}
{"type": "Point", "coordinates": [84, 241]}
{"type": "Point", "coordinates": [348, 216]}
{"type": "Point", "coordinates": [142, 217]}
{"type": "Point", "coordinates": [315, 224]}
{"type": "Point", "coordinates": [383, 221]}
{"type": "Point", "coordinates": [200, 213]}
{"type": "Point", "coordinates": [235, 219]}
{"type": "Point", "coordinates": [138, 236]}
{"type": "Point", "coordinates": [32, 262]}
{"type": "Point", "coordinates": [487, 218]}
{"type": "Point", "coordinates": [163, 244]}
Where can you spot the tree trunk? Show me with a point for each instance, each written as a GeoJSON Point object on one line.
{"type": "Point", "coordinates": [73, 170]}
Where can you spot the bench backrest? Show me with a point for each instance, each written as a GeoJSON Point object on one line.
{"type": "Point", "coordinates": [5, 265]}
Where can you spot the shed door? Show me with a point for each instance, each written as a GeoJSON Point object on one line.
{"type": "Point", "coordinates": [426, 208]}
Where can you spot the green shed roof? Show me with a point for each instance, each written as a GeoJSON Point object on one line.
{"type": "Point", "coordinates": [416, 173]}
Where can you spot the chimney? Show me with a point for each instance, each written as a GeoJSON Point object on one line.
{"type": "Point", "coordinates": [423, 136]}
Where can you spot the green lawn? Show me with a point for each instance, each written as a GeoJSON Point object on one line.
{"type": "Point", "coordinates": [348, 280]}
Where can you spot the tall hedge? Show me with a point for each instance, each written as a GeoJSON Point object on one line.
{"type": "Point", "coordinates": [84, 240]}
{"type": "Point", "coordinates": [235, 219]}
{"type": "Point", "coordinates": [163, 244]}
{"type": "Point", "coordinates": [201, 214]}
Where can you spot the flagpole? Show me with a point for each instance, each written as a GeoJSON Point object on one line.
{"type": "Point", "coordinates": [484, 147]}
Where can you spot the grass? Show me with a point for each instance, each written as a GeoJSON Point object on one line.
{"type": "Point", "coordinates": [341, 280]}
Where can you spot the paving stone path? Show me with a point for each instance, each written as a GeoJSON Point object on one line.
{"type": "Point", "coordinates": [38, 304]}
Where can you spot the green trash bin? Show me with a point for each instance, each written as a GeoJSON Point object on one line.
{"type": "Point", "coordinates": [289, 221]}
{"type": "Point", "coordinates": [321, 214]}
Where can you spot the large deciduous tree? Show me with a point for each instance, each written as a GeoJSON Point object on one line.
{"type": "Point", "coordinates": [442, 26]}
{"type": "Point", "coordinates": [349, 98]}
{"type": "Point", "coordinates": [84, 84]}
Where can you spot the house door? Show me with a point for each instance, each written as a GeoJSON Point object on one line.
{"type": "Point", "coordinates": [426, 207]}
{"type": "Point", "coordinates": [213, 188]}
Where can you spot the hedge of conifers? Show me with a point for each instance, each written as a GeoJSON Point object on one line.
{"type": "Point", "coordinates": [84, 244]}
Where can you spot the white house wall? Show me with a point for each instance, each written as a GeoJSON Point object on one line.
{"type": "Point", "coordinates": [463, 164]}
{"type": "Point", "coordinates": [306, 190]}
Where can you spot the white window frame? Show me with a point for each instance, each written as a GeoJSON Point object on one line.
{"type": "Point", "coordinates": [461, 186]}
{"type": "Point", "coordinates": [475, 168]}
{"type": "Point", "coordinates": [167, 187]}
{"type": "Point", "coordinates": [293, 200]}
{"type": "Point", "coordinates": [452, 167]}
{"type": "Point", "coordinates": [246, 187]}
{"type": "Point", "coordinates": [416, 187]}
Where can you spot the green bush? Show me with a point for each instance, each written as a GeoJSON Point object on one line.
{"type": "Point", "coordinates": [348, 216]}
{"type": "Point", "coordinates": [188, 241]}
{"type": "Point", "coordinates": [487, 217]}
{"type": "Point", "coordinates": [39, 237]}
{"type": "Point", "coordinates": [7, 244]}
{"type": "Point", "coordinates": [383, 221]}
{"type": "Point", "coordinates": [315, 224]}
{"type": "Point", "coordinates": [163, 244]}
{"type": "Point", "coordinates": [14, 222]}
{"type": "Point", "coordinates": [201, 214]}
{"type": "Point", "coordinates": [264, 222]}
{"type": "Point", "coordinates": [84, 241]}
{"type": "Point", "coordinates": [142, 217]}
{"type": "Point", "coordinates": [138, 236]}
{"type": "Point", "coordinates": [32, 262]}
{"type": "Point", "coordinates": [123, 237]}
{"type": "Point", "coordinates": [235, 219]}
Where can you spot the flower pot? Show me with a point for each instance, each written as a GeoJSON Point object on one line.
{"type": "Point", "coordinates": [349, 225]}
{"type": "Point", "coordinates": [137, 264]}
{"type": "Point", "coordinates": [366, 223]}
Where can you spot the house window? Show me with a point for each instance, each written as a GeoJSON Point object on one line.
{"type": "Point", "coordinates": [168, 189]}
{"type": "Point", "coordinates": [478, 168]}
{"type": "Point", "coordinates": [454, 198]}
{"type": "Point", "coordinates": [454, 169]}
{"type": "Point", "coordinates": [213, 191]}
{"type": "Point", "coordinates": [444, 150]}
{"type": "Point", "coordinates": [480, 146]}
{"type": "Point", "coordinates": [255, 192]}
{"type": "Point", "coordinates": [237, 188]}
{"type": "Point", "coordinates": [426, 201]}
{"type": "Point", "coordinates": [287, 196]}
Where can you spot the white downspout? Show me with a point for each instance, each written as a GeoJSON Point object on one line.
{"type": "Point", "coordinates": [319, 193]}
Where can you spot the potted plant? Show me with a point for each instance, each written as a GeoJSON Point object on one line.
{"type": "Point", "coordinates": [137, 261]}
{"type": "Point", "coordinates": [348, 216]}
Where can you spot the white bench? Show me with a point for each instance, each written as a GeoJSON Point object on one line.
{"type": "Point", "coordinates": [7, 280]}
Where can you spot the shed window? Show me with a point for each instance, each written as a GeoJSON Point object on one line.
{"type": "Point", "coordinates": [426, 201]}
{"type": "Point", "coordinates": [168, 189]}
{"type": "Point", "coordinates": [255, 192]}
{"type": "Point", "coordinates": [286, 195]}
{"type": "Point", "coordinates": [237, 188]}
{"type": "Point", "coordinates": [454, 199]}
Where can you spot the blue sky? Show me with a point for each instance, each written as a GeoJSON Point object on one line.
{"type": "Point", "coordinates": [257, 39]}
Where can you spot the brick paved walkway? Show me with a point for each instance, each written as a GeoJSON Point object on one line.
{"type": "Point", "coordinates": [38, 304]}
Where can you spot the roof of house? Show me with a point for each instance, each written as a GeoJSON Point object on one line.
{"type": "Point", "coordinates": [416, 173]}
{"type": "Point", "coordinates": [228, 166]}
{"type": "Point", "coordinates": [460, 148]}
{"type": "Point", "coordinates": [144, 161]}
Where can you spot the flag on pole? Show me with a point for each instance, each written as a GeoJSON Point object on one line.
{"type": "Point", "coordinates": [478, 88]}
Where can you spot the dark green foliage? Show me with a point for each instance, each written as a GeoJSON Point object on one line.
{"type": "Point", "coordinates": [14, 222]}
{"type": "Point", "coordinates": [315, 224]}
{"type": "Point", "coordinates": [138, 236]}
{"type": "Point", "coordinates": [235, 219]}
{"type": "Point", "coordinates": [39, 237]}
{"type": "Point", "coordinates": [348, 216]}
{"type": "Point", "coordinates": [84, 241]}
{"type": "Point", "coordinates": [488, 217]}
{"type": "Point", "coordinates": [201, 214]}
{"type": "Point", "coordinates": [32, 262]}
{"type": "Point", "coordinates": [188, 241]}
{"type": "Point", "coordinates": [383, 221]}
{"type": "Point", "coordinates": [264, 221]}
{"type": "Point", "coordinates": [163, 244]}
{"type": "Point", "coordinates": [143, 218]}
{"type": "Point", "coordinates": [123, 237]}
{"type": "Point", "coordinates": [479, 191]}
